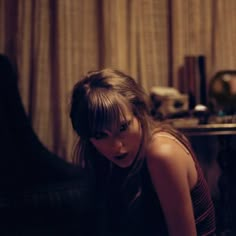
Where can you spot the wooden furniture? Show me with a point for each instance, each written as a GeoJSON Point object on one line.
{"type": "Point", "coordinates": [226, 154]}
{"type": "Point", "coordinates": [209, 129]}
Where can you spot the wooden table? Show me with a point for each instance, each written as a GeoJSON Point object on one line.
{"type": "Point", "coordinates": [208, 129]}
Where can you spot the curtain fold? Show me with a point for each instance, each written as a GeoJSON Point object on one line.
{"type": "Point", "coordinates": [55, 42]}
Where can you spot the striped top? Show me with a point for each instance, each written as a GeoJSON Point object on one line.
{"type": "Point", "coordinates": [203, 206]}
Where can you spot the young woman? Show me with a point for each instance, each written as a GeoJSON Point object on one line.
{"type": "Point", "coordinates": [145, 171]}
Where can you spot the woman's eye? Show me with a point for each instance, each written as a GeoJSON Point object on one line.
{"type": "Point", "coordinates": [124, 126]}
{"type": "Point", "coordinates": [99, 136]}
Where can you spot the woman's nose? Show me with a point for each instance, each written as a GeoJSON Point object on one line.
{"type": "Point", "coordinates": [117, 143]}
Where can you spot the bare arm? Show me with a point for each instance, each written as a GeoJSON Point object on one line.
{"type": "Point", "coordinates": [168, 166]}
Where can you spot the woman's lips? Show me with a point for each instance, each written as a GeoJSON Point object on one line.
{"type": "Point", "coordinates": [122, 156]}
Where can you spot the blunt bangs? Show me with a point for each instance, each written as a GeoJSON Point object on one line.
{"type": "Point", "coordinates": [105, 111]}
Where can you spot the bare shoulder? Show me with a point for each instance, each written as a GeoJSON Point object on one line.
{"type": "Point", "coordinates": [167, 157]}
{"type": "Point", "coordinates": [166, 148]}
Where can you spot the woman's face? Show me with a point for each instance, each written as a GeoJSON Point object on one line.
{"type": "Point", "coordinates": [120, 146]}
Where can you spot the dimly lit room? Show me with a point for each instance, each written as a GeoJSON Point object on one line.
{"type": "Point", "coordinates": [118, 117]}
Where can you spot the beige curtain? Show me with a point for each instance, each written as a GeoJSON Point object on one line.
{"type": "Point", "coordinates": [55, 42]}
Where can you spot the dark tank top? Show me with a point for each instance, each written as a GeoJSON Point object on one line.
{"type": "Point", "coordinates": [144, 216]}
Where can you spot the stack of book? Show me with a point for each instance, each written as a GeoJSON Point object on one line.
{"type": "Point", "coordinates": [192, 80]}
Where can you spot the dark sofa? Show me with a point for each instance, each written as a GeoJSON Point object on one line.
{"type": "Point", "coordinates": [40, 193]}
